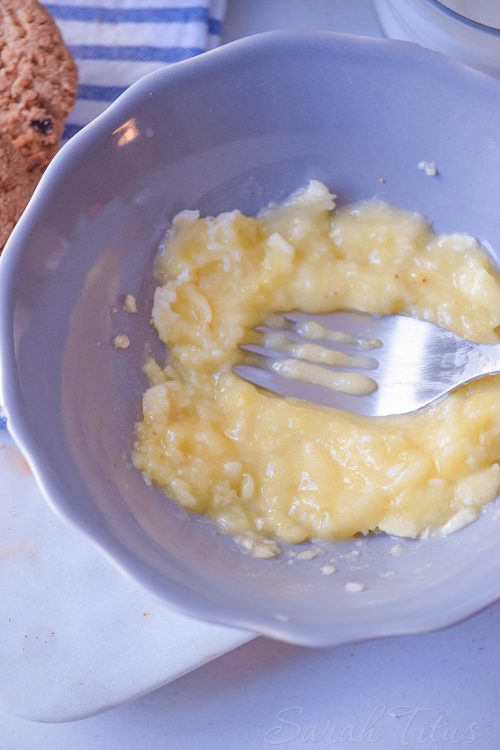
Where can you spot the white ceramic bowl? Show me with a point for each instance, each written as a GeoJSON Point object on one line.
{"type": "Point", "coordinates": [237, 127]}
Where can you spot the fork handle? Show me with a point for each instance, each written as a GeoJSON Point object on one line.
{"type": "Point", "coordinates": [482, 359]}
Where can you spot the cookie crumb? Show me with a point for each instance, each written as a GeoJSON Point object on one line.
{"type": "Point", "coordinates": [121, 341]}
{"type": "Point", "coordinates": [130, 305]}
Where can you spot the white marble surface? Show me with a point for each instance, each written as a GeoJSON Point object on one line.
{"type": "Point", "coordinates": [236, 700]}
{"type": "Point", "coordinates": [76, 637]}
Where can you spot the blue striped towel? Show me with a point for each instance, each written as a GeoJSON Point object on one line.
{"type": "Point", "coordinates": [116, 42]}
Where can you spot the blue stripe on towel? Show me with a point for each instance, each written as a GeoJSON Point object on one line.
{"type": "Point", "coordinates": [133, 53]}
{"type": "Point", "coordinates": [128, 15]}
{"type": "Point", "coordinates": [214, 26]}
{"type": "Point", "coordinates": [71, 130]}
{"type": "Point", "coordinates": [99, 93]}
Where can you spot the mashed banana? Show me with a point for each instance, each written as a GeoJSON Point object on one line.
{"type": "Point", "coordinates": [263, 466]}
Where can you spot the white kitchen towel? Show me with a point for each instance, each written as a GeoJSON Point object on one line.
{"type": "Point", "coordinates": [116, 42]}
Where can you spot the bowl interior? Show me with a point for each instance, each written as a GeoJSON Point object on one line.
{"type": "Point", "coordinates": [236, 128]}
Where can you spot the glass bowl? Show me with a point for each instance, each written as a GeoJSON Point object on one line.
{"type": "Point", "coordinates": [442, 28]}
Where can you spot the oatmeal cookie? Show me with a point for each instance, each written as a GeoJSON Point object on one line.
{"type": "Point", "coordinates": [38, 82]}
{"type": "Point", "coordinates": [16, 187]}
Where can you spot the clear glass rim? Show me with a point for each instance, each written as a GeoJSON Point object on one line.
{"type": "Point", "coordinates": [463, 19]}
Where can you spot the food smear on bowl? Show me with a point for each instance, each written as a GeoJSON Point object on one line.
{"type": "Point", "coordinates": [121, 341]}
{"type": "Point", "coordinates": [428, 167]}
{"type": "Point", "coordinates": [130, 304]}
{"type": "Point", "coordinates": [267, 468]}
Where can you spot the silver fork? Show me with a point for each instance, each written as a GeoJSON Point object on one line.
{"type": "Point", "coordinates": [410, 362]}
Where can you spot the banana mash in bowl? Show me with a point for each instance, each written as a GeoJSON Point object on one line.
{"type": "Point", "coordinates": [267, 468]}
